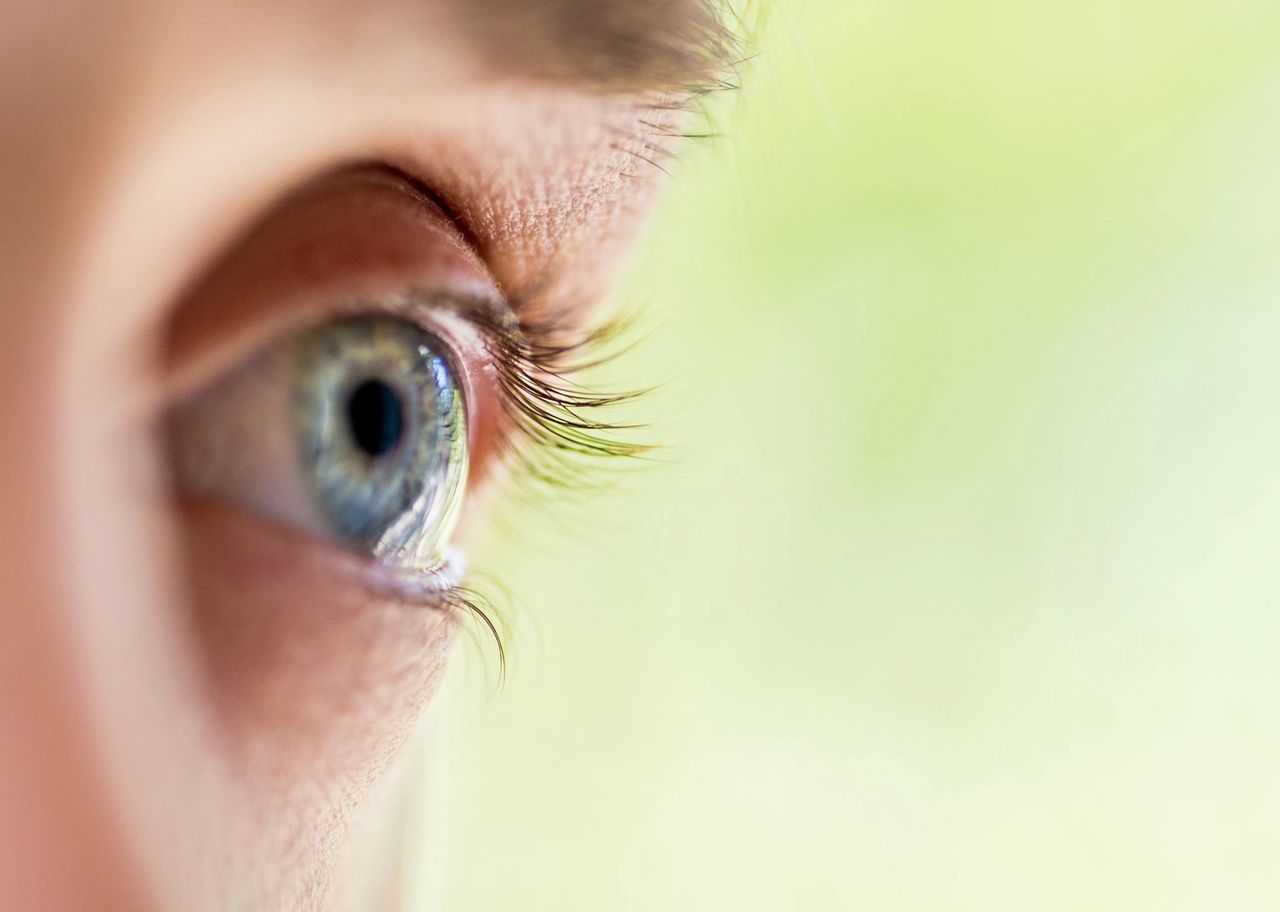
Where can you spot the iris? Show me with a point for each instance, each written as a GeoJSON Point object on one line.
{"type": "Point", "coordinates": [354, 430]}
{"type": "Point", "coordinates": [381, 434]}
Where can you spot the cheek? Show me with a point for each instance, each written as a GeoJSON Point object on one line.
{"type": "Point", "coordinates": [251, 694]}
{"type": "Point", "coordinates": [314, 685]}
{"type": "Point", "coordinates": [315, 680]}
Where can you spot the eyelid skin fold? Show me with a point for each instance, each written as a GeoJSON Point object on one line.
{"type": "Point", "coordinates": [354, 235]}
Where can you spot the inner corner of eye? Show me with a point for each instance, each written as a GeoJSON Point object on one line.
{"type": "Point", "coordinates": [353, 431]}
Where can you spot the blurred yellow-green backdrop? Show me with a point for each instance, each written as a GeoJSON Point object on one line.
{"type": "Point", "coordinates": [961, 593]}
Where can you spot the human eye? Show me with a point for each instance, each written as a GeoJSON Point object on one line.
{"type": "Point", "coordinates": [331, 385]}
{"type": "Point", "coordinates": [353, 430]}
{"type": "Point", "coordinates": [342, 386]}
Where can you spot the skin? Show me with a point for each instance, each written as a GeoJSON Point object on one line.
{"type": "Point", "coordinates": [199, 709]}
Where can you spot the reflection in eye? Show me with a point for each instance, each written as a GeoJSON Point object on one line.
{"type": "Point", "coordinates": [354, 431]}
{"type": "Point", "coordinates": [383, 435]}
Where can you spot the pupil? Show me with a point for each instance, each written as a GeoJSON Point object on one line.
{"type": "Point", "coordinates": [376, 417]}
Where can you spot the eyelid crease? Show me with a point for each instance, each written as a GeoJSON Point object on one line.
{"type": "Point", "coordinates": [426, 195]}
{"type": "Point", "coordinates": [353, 235]}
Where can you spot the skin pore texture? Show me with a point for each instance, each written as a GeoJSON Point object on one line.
{"type": "Point", "coordinates": [198, 709]}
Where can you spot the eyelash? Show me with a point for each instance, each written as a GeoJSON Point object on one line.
{"type": "Point", "coordinates": [556, 438]}
{"type": "Point", "coordinates": [551, 411]}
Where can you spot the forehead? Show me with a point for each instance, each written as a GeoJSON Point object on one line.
{"type": "Point", "coordinates": [628, 45]}
{"type": "Point", "coordinates": [523, 111]}
{"type": "Point", "coordinates": [676, 46]}
{"type": "Point", "coordinates": [527, 116]}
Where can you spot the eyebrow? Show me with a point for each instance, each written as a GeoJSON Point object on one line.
{"type": "Point", "coordinates": [681, 46]}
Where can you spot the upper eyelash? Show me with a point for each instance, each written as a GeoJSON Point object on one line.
{"type": "Point", "coordinates": [538, 365]}
{"type": "Point", "coordinates": [555, 418]}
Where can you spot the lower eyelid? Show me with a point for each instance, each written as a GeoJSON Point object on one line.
{"type": "Point", "coordinates": [315, 558]}
{"type": "Point", "coordinates": [431, 588]}
{"type": "Point", "coordinates": [298, 645]}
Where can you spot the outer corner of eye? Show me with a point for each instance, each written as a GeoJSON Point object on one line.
{"type": "Point", "coordinates": [353, 431]}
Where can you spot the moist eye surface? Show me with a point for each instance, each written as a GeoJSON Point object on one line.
{"type": "Point", "coordinates": [380, 426]}
{"type": "Point", "coordinates": [354, 429]}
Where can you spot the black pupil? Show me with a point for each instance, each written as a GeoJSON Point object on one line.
{"type": "Point", "coordinates": [376, 416]}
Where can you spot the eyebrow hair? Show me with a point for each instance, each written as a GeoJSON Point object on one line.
{"type": "Point", "coordinates": [683, 46]}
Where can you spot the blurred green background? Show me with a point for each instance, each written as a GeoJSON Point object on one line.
{"type": "Point", "coordinates": [962, 592]}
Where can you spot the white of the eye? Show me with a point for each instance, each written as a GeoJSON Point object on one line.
{"type": "Point", "coordinates": [235, 442]}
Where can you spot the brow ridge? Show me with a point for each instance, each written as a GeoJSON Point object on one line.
{"type": "Point", "coordinates": [681, 46]}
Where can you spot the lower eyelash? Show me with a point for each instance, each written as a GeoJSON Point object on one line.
{"type": "Point", "coordinates": [439, 587]}
{"type": "Point", "coordinates": [474, 602]}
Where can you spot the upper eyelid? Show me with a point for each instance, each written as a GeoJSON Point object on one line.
{"type": "Point", "coordinates": [429, 249]}
{"type": "Point", "coordinates": [434, 310]}
{"type": "Point", "coordinates": [424, 193]}
{"type": "Point", "coordinates": [527, 409]}
{"type": "Point", "coordinates": [518, 301]}
{"type": "Point", "coordinates": [525, 393]}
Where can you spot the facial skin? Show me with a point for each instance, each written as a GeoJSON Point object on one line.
{"type": "Point", "coordinates": [200, 709]}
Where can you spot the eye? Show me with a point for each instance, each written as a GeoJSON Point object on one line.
{"type": "Point", "coordinates": [354, 430]}
{"type": "Point", "coordinates": [338, 383]}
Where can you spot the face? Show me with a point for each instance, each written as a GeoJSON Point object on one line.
{"type": "Point", "coordinates": [294, 294]}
